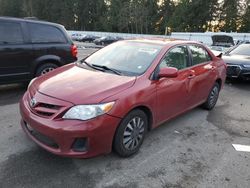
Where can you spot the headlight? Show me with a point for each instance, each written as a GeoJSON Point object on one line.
{"type": "Point", "coordinates": [86, 112]}
{"type": "Point", "coordinates": [246, 66]}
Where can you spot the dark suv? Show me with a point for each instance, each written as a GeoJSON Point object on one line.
{"type": "Point", "coordinates": [30, 48]}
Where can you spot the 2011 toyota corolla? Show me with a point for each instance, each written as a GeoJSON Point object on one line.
{"type": "Point", "coordinates": [113, 97]}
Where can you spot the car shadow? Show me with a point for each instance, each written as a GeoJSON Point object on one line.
{"type": "Point", "coordinates": [239, 84]}
{"type": "Point", "coordinates": [11, 94]}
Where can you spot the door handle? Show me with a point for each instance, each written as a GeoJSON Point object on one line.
{"type": "Point", "coordinates": [191, 76]}
{"type": "Point", "coordinates": [212, 68]}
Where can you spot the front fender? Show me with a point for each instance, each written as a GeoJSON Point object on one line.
{"type": "Point", "coordinates": [142, 94]}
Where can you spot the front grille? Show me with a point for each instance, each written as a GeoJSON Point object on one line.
{"type": "Point", "coordinates": [45, 114]}
{"type": "Point", "coordinates": [246, 76]}
{"type": "Point", "coordinates": [233, 70]}
{"type": "Point", "coordinates": [50, 106]}
{"type": "Point", "coordinates": [42, 138]}
{"type": "Point", "coordinates": [45, 109]}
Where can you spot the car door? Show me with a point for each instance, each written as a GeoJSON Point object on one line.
{"type": "Point", "coordinates": [15, 52]}
{"type": "Point", "coordinates": [204, 74]}
{"type": "Point", "coordinates": [172, 93]}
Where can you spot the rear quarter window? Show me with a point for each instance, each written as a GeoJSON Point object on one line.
{"type": "Point", "coordinates": [199, 54]}
{"type": "Point", "coordinates": [11, 33]}
{"type": "Point", "coordinates": [41, 33]}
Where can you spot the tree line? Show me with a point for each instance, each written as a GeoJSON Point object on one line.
{"type": "Point", "coordinates": [137, 16]}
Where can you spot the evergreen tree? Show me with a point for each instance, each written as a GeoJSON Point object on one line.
{"type": "Point", "coordinates": [193, 16]}
{"type": "Point", "coordinates": [11, 8]}
{"type": "Point", "coordinates": [166, 8]}
{"type": "Point", "coordinates": [245, 26]}
{"type": "Point", "coordinates": [136, 16]}
{"type": "Point", "coordinates": [230, 15]}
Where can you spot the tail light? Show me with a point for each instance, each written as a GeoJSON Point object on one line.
{"type": "Point", "coordinates": [74, 50]}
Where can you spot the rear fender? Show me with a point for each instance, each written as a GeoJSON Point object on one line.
{"type": "Point", "coordinates": [47, 58]}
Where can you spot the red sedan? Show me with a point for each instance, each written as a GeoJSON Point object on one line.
{"type": "Point", "coordinates": [113, 97]}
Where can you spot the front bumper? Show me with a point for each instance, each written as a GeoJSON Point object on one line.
{"type": "Point", "coordinates": [59, 136]}
{"type": "Point", "coordinates": [238, 71]}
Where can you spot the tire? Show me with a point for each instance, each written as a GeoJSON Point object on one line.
{"type": "Point", "coordinates": [212, 97]}
{"type": "Point", "coordinates": [130, 134]}
{"type": "Point", "coordinates": [45, 68]}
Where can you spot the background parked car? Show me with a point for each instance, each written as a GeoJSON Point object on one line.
{"type": "Point", "coordinates": [106, 40]}
{"type": "Point", "coordinates": [76, 36]}
{"type": "Point", "coordinates": [221, 43]}
{"type": "Point", "coordinates": [30, 48]}
{"type": "Point", "coordinates": [88, 38]}
{"type": "Point", "coordinates": [238, 62]}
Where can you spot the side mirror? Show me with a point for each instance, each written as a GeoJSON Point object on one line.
{"type": "Point", "coordinates": [220, 55]}
{"type": "Point", "coordinates": [168, 72]}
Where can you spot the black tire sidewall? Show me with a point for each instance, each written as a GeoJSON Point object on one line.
{"type": "Point", "coordinates": [207, 104]}
{"type": "Point", "coordinates": [118, 139]}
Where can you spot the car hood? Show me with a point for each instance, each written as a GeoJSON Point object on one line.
{"type": "Point", "coordinates": [236, 59]}
{"type": "Point", "coordinates": [81, 86]}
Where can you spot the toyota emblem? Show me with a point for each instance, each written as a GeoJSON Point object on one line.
{"type": "Point", "coordinates": [33, 102]}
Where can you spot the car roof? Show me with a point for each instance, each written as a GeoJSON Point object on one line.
{"type": "Point", "coordinates": [29, 20]}
{"type": "Point", "coordinates": [163, 41]}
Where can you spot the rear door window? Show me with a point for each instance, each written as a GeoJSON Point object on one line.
{"type": "Point", "coordinates": [41, 33]}
{"type": "Point", "coordinates": [11, 33]}
{"type": "Point", "coordinates": [199, 55]}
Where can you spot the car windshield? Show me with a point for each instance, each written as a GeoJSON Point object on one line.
{"type": "Point", "coordinates": [128, 57]}
{"type": "Point", "coordinates": [242, 49]}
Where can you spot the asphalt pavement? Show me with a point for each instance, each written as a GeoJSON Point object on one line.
{"type": "Point", "coordinates": [193, 150]}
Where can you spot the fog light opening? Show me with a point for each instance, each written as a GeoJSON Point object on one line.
{"type": "Point", "coordinates": [80, 145]}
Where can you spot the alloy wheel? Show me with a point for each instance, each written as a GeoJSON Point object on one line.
{"type": "Point", "coordinates": [47, 70]}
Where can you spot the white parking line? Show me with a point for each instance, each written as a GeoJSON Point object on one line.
{"type": "Point", "coordinates": [243, 148]}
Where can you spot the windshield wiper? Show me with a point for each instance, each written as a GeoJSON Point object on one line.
{"type": "Point", "coordinates": [100, 67]}
{"type": "Point", "coordinates": [90, 65]}
{"type": "Point", "coordinates": [107, 68]}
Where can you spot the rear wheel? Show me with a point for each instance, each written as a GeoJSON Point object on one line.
{"type": "Point", "coordinates": [45, 68]}
{"type": "Point", "coordinates": [130, 134]}
{"type": "Point", "coordinates": [212, 97]}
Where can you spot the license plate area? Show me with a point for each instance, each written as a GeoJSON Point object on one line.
{"type": "Point", "coordinates": [41, 137]}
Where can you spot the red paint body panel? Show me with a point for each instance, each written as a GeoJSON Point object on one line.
{"type": "Point", "coordinates": [99, 131]}
{"type": "Point", "coordinates": [71, 85]}
{"type": "Point", "coordinates": [82, 85]}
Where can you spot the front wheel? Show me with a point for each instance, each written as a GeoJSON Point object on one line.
{"type": "Point", "coordinates": [212, 97]}
{"type": "Point", "coordinates": [130, 134]}
{"type": "Point", "coordinates": [45, 68]}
